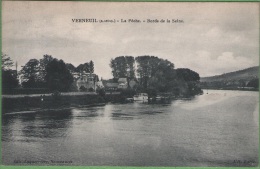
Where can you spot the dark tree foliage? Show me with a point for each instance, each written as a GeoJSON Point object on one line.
{"type": "Point", "coordinates": [162, 81]}
{"type": "Point", "coordinates": [34, 71]}
{"type": "Point", "coordinates": [6, 62]}
{"type": "Point", "coordinates": [42, 66]}
{"type": "Point", "coordinates": [31, 83]}
{"type": "Point", "coordinates": [83, 67]}
{"type": "Point", "coordinates": [30, 71]}
{"type": "Point", "coordinates": [143, 69]}
{"type": "Point", "coordinates": [91, 89]}
{"type": "Point", "coordinates": [101, 92]}
{"type": "Point", "coordinates": [9, 80]}
{"type": "Point", "coordinates": [155, 72]}
{"type": "Point", "coordinates": [58, 77]}
{"type": "Point", "coordinates": [253, 83]}
{"type": "Point", "coordinates": [123, 66]}
{"type": "Point", "coordinates": [127, 93]}
{"type": "Point", "coordinates": [96, 78]}
{"type": "Point", "coordinates": [82, 88]}
{"type": "Point", "coordinates": [188, 82]}
{"type": "Point", "coordinates": [151, 92]}
{"type": "Point", "coordinates": [70, 67]}
{"type": "Point", "coordinates": [91, 67]}
{"type": "Point", "coordinates": [130, 61]}
{"type": "Point", "coordinates": [158, 75]}
{"type": "Point", "coordinates": [118, 66]}
{"type": "Point", "coordinates": [187, 74]}
{"type": "Point", "coordinates": [9, 77]}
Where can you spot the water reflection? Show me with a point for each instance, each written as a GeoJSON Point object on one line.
{"type": "Point", "coordinates": [122, 116]}
{"type": "Point", "coordinates": [207, 130]}
{"type": "Point", "coordinates": [131, 111]}
{"type": "Point", "coordinates": [87, 112]}
{"type": "Point", "coordinates": [36, 126]}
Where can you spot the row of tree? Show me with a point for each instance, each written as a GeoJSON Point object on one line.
{"type": "Point", "coordinates": [234, 84]}
{"type": "Point", "coordinates": [153, 73]}
{"type": "Point", "coordinates": [47, 72]}
{"type": "Point", "coordinates": [9, 77]}
{"type": "Point", "coordinates": [150, 72]}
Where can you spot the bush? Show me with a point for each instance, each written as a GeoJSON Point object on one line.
{"type": "Point", "coordinates": [82, 88]}
{"type": "Point", "coordinates": [9, 81]}
{"type": "Point", "coordinates": [127, 93]}
{"type": "Point", "coordinates": [56, 97]}
{"type": "Point", "coordinates": [253, 83]}
{"type": "Point", "coordinates": [101, 92]}
{"type": "Point", "coordinates": [151, 93]}
{"type": "Point", "coordinates": [91, 89]}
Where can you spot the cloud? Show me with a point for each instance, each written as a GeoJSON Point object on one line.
{"type": "Point", "coordinates": [209, 41]}
{"type": "Point", "coordinates": [224, 63]}
{"type": "Point", "coordinates": [212, 33]}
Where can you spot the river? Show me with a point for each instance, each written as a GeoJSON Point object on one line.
{"type": "Point", "coordinates": [216, 129]}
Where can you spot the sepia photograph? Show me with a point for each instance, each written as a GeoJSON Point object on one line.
{"type": "Point", "coordinates": [145, 84]}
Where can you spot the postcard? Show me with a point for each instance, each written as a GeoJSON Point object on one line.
{"type": "Point", "coordinates": [144, 84]}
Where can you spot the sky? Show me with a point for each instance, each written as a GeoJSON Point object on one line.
{"type": "Point", "coordinates": [214, 38]}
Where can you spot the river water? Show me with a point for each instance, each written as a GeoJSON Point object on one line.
{"type": "Point", "coordinates": [215, 129]}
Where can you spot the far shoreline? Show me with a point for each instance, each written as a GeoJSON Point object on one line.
{"type": "Point", "coordinates": [32, 103]}
{"type": "Point", "coordinates": [232, 89]}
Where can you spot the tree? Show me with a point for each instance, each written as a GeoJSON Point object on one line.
{"type": "Point", "coordinates": [119, 67]}
{"type": "Point", "coordinates": [163, 76]}
{"type": "Point", "coordinates": [130, 61]}
{"type": "Point", "coordinates": [189, 81]}
{"type": "Point", "coordinates": [30, 72]}
{"type": "Point", "coordinates": [6, 62]}
{"type": "Point", "coordinates": [70, 67]}
{"type": "Point", "coordinates": [9, 77]}
{"type": "Point", "coordinates": [187, 74]}
{"type": "Point", "coordinates": [96, 78]}
{"type": "Point", "coordinates": [9, 80]}
{"type": "Point", "coordinates": [83, 67]}
{"type": "Point", "coordinates": [156, 75]}
{"type": "Point", "coordinates": [154, 70]}
{"type": "Point", "coordinates": [91, 66]}
{"type": "Point", "coordinates": [253, 83]}
{"type": "Point", "coordinates": [82, 88]}
{"type": "Point", "coordinates": [144, 69]}
{"type": "Point", "coordinates": [123, 66]}
{"type": "Point", "coordinates": [42, 66]}
{"type": "Point", "coordinates": [157, 82]}
{"type": "Point", "coordinates": [58, 77]}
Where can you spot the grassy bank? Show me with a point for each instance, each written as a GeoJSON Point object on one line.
{"type": "Point", "coordinates": [231, 88]}
{"type": "Point", "coordinates": [28, 103]}
{"type": "Point", "coordinates": [41, 103]}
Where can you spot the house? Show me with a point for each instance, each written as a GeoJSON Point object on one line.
{"type": "Point", "coordinates": [122, 83]}
{"type": "Point", "coordinates": [100, 85]}
{"type": "Point", "coordinates": [85, 81]}
{"type": "Point", "coordinates": [132, 84]}
{"type": "Point", "coordinates": [111, 86]}
{"type": "Point", "coordinates": [75, 75]}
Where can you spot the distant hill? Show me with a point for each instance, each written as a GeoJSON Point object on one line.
{"type": "Point", "coordinates": [246, 74]}
{"type": "Point", "coordinates": [237, 79]}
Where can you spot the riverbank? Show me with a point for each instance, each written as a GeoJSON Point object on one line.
{"type": "Point", "coordinates": [27, 103]}
{"type": "Point", "coordinates": [46, 110]}
{"type": "Point", "coordinates": [20, 104]}
{"type": "Point", "coordinates": [41, 103]}
{"type": "Point", "coordinates": [233, 88]}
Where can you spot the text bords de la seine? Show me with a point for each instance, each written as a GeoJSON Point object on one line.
{"type": "Point", "coordinates": [93, 20]}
